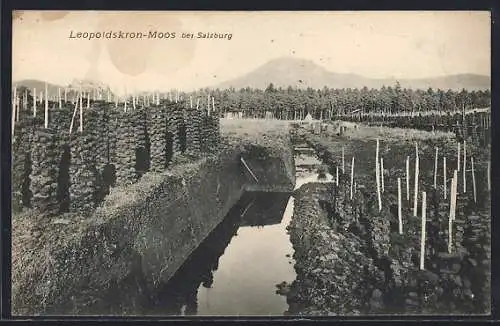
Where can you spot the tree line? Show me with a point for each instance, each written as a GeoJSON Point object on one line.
{"type": "Point", "coordinates": [285, 103]}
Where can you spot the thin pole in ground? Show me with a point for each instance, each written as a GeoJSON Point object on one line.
{"type": "Point", "coordinates": [489, 175]}
{"type": "Point", "coordinates": [415, 198]}
{"type": "Point", "coordinates": [34, 102]}
{"type": "Point", "coordinates": [400, 218]}
{"type": "Point", "coordinates": [377, 176]}
{"type": "Point", "coordinates": [352, 175]}
{"type": "Point", "coordinates": [436, 168]}
{"type": "Point", "coordinates": [464, 167]}
{"type": "Point", "coordinates": [423, 233]}
{"type": "Point", "coordinates": [46, 107]}
{"type": "Point", "coordinates": [73, 117]}
{"type": "Point", "coordinates": [343, 163]}
{"type": "Point", "coordinates": [81, 111]}
{"type": "Point", "coordinates": [451, 218]}
{"type": "Point", "coordinates": [473, 179]}
{"type": "Point", "coordinates": [408, 178]}
{"type": "Point", "coordinates": [444, 177]}
{"type": "Point", "coordinates": [382, 173]}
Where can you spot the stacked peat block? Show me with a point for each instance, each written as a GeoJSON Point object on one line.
{"type": "Point", "coordinates": [215, 135]}
{"type": "Point", "coordinates": [83, 170]}
{"type": "Point", "coordinates": [140, 132]}
{"type": "Point", "coordinates": [101, 109]}
{"type": "Point", "coordinates": [112, 132]}
{"type": "Point", "coordinates": [125, 149]}
{"type": "Point", "coordinates": [175, 114]}
{"type": "Point", "coordinates": [44, 173]}
{"type": "Point", "coordinates": [157, 129]}
{"type": "Point", "coordinates": [193, 121]}
{"type": "Point", "coordinates": [20, 154]}
{"type": "Point", "coordinates": [60, 121]}
{"type": "Point", "coordinates": [20, 159]}
{"type": "Point", "coordinates": [204, 131]}
{"type": "Point", "coordinates": [477, 240]}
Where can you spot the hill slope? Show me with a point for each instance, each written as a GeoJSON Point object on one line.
{"type": "Point", "coordinates": [72, 89]}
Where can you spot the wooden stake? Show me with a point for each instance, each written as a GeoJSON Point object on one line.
{"type": "Point", "coordinates": [400, 215]}
{"type": "Point", "coordinates": [343, 164]}
{"type": "Point", "coordinates": [408, 178]}
{"type": "Point", "coordinates": [453, 195]}
{"type": "Point", "coordinates": [73, 117]}
{"type": "Point", "coordinates": [15, 108]}
{"type": "Point", "coordinates": [444, 177]}
{"type": "Point", "coordinates": [352, 175]}
{"type": "Point", "coordinates": [377, 176]}
{"type": "Point", "coordinates": [458, 156]}
{"type": "Point", "coordinates": [65, 95]}
{"type": "Point", "coordinates": [464, 167]}
{"type": "Point", "coordinates": [489, 175]}
{"type": "Point", "coordinates": [452, 210]}
{"type": "Point", "coordinates": [34, 102]}
{"type": "Point", "coordinates": [248, 168]}
{"type": "Point", "coordinates": [46, 107]}
{"type": "Point", "coordinates": [13, 119]}
{"type": "Point", "coordinates": [59, 97]}
{"type": "Point", "coordinates": [88, 100]}
{"type": "Point", "coordinates": [415, 198]}
{"type": "Point", "coordinates": [81, 112]}
{"type": "Point", "coordinates": [423, 231]}
{"type": "Point", "coordinates": [436, 168]}
{"type": "Point", "coordinates": [337, 175]}
{"type": "Point", "coordinates": [473, 179]}
{"type": "Point", "coordinates": [382, 173]}
{"type": "Point", "coordinates": [191, 101]}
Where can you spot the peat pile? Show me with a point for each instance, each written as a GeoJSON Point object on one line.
{"type": "Point", "coordinates": [350, 260]}
{"type": "Point", "coordinates": [335, 275]}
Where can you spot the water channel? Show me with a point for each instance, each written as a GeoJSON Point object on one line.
{"type": "Point", "coordinates": [234, 272]}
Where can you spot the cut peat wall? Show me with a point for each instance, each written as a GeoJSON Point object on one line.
{"type": "Point", "coordinates": [141, 234]}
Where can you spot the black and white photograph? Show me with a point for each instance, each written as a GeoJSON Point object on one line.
{"type": "Point", "coordinates": [251, 163]}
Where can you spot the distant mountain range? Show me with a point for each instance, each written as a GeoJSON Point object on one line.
{"type": "Point", "coordinates": [301, 73]}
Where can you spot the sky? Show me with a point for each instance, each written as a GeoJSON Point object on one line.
{"type": "Point", "coordinates": [372, 44]}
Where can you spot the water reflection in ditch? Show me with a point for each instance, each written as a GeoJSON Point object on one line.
{"type": "Point", "coordinates": [236, 269]}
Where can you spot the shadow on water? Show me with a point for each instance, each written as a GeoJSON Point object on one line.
{"type": "Point", "coordinates": [181, 295]}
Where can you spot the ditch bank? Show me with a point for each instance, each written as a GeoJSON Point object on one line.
{"type": "Point", "coordinates": [141, 234]}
